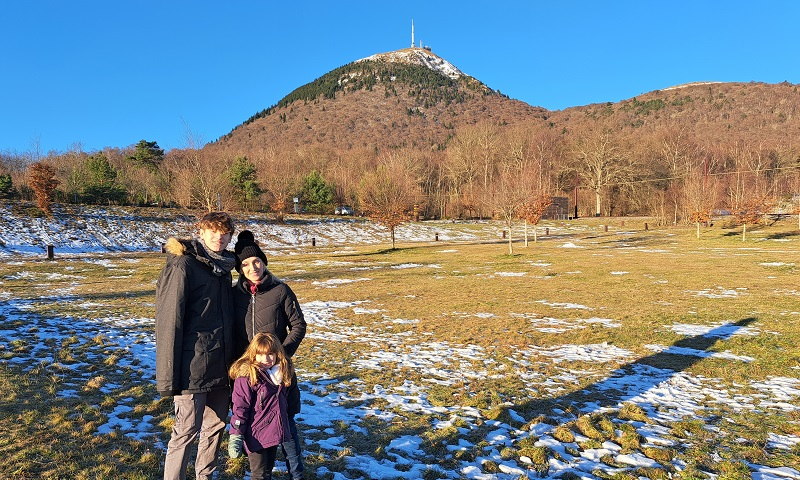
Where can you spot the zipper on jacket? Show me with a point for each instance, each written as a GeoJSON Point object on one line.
{"type": "Point", "coordinates": [253, 316]}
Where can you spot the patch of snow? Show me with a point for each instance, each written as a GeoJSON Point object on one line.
{"type": "Point", "coordinates": [673, 350]}
{"type": "Point", "coordinates": [564, 305]}
{"type": "Point", "coordinates": [418, 56]}
{"type": "Point", "coordinates": [718, 330]}
{"type": "Point", "coordinates": [785, 442]}
{"type": "Point", "coordinates": [335, 282]}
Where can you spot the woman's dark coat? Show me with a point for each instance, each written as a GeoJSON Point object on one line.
{"type": "Point", "coordinates": [195, 336]}
{"type": "Point", "coordinates": [272, 309]}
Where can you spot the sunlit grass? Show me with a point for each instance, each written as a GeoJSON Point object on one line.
{"type": "Point", "coordinates": [456, 293]}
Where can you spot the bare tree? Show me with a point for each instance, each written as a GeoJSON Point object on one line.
{"type": "Point", "coordinates": [198, 177]}
{"type": "Point", "coordinates": [387, 194]}
{"type": "Point", "coordinates": [506, 196]}
{"type": "Point", "coordinates": [600, 162]}
{"type": "Point", "coordinates": [700, 191]}
{"type": "Point", "coordinates": [750, 194]}
{"type": "Point", "coordinates": [470, 164]}
{"type": "Point", "coordinates": [42, 180]}
{"type": "Point", "coordinates": [677, 151]}
{"type": "Point", "coordinates": [279, 178]}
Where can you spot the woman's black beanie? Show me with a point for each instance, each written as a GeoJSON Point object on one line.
{"type": "Point", "coordinates": [247, 247]}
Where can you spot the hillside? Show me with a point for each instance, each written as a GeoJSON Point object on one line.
{"type": "Point", "coordinates": [713, 111]}
{"type": "Point", "coordinates": [410, 97]}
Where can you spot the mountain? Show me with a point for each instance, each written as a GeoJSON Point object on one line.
{"type": "Point", "coordinates": [720, 112]}
{"type": "Point", "coordinates": [409, 97]}
{"type": "Point", "coordinates": [413, 97]}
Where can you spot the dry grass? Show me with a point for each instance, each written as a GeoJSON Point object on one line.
{"type": "Point", "coordinates": [463, 298]}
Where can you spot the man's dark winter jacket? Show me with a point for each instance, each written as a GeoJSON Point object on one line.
{"type": "Point", "coordinates": [195, 338]}
{"type": "Point", "coordinates": [272, 309]}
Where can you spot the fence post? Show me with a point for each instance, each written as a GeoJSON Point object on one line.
{"type": "Point", "coordinates": [437, 236]}
{"type": "Point", "coordinates": [645, 225]}
{"type": "Point", "coordinates": [605, 227]}
{"type": "Point", "coordinates": [313, 241]}
{"type": "Point", "coordinates": [50, 252]}
{"type": "Point", "coordinates": [504, 234]}
{"type": "Point", "coordinates": [547, 231]}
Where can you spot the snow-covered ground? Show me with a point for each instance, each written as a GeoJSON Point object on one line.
{"type": "Point", "coordinates": [618, 377]}
{"type": "Point", "coordinates": [96, 229]}
{"type": "Point", "coordinates": [665, 395]}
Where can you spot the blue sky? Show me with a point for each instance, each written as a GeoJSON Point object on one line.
{"type": "Point", "coordinates": [101, 73]}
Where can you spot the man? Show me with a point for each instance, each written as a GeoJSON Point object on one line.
{"type": "Point", "coordinates": [195, 342]}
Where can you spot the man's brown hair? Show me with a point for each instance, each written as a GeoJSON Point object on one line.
{"type": "Point", "coordinates": [216, 221]}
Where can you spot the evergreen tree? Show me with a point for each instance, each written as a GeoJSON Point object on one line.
{"type": "Point", "coordinates": [101, 185]}
{"type": "Point", "coordinates": [242, 176]}
{"type": "Point", "coordinates": [148, 155]}
{"type": "Point", "coordinates": [317, 193]}
{"type": "Point", "coordinates": [6, 186]}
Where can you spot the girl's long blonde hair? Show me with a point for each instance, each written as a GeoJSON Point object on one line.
{"type": "Point", "coordinates": [262, 344]}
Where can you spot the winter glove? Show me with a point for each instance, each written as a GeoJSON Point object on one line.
{"type": "Point", "coordinates": [235, 443]}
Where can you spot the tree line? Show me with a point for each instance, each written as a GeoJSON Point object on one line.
{"type": "Point", "coordinates": [508, 172]}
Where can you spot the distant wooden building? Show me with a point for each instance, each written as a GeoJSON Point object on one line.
{"type": "Point", "coordinates": [558, 210]}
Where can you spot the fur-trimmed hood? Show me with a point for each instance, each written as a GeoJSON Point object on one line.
{"type": "Point", "coordinates": [177, 246]}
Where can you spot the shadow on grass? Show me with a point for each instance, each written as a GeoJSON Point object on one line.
{"type": "Point", "coordinates": [382, 251]}
{"type": "Point", "coordinates": [776, 236]}
{"type": "Point", "coordinates": [734, 233]}
{"type": "Point", "coordinates": [636, 378]}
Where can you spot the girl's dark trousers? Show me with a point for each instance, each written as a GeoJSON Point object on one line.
{"type": "Point", "coordinates": [261, 463]}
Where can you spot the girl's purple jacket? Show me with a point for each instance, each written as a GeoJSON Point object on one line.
{"type": "Point", "coordinates": [259, 413]}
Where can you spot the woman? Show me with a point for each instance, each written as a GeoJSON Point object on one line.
{"type": "Point", "coordinates": [264, 304]}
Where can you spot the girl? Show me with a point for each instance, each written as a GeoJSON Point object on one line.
{"type": "Point", "coordinates": [261, 378]}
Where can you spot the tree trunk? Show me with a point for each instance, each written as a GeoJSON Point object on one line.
{"type": "Point", "coordinates": [698, 230]}
{"type": "Point", "coordinates": [392, 229]}
{"type": "Point", "coordinates": [526, 233]}
{"type": "Point", "coordinates": [675, 218]}
{"type": "Point", "coordinates": [510, 246]}
{"type": "Point", "coordinates": [597, 203]}
{"type": "Point", "coordinates": [744, 231]}
{"type": "Point", "coordinates": [534, 234]}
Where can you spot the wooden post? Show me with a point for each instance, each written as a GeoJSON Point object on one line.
{"type": "Point", "coordinates": [547, 231]}
{"type": "Point", "coordinates": [437, 236]}
{"type": "Point", "coordinates": [313, 241]}
{"type": "Point", "coordinates": [645, 225]}
{"type": "Point", "coordinates": [605, 227]}
{"type": "Point", "coordinates": [504, 234]}
{"type": "Point", "coordinates": [163, 248]}
{"type": "Point", "coordinates": [50, 252]}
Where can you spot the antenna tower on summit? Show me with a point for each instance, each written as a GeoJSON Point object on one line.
{"type": "Point", "coordinates": [412, 33]}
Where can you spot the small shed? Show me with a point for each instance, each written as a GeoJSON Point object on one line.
{"type": "Point", "coordinates": [558, 210]}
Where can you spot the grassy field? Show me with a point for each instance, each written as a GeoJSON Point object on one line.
{"type": "Point", "coordinates": [646, 353]}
